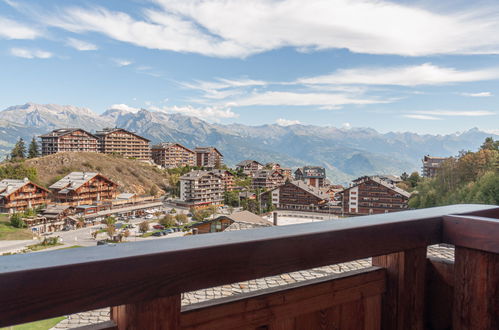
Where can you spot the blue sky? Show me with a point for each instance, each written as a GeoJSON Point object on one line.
{"type": "Point", "coordinates": [392, 66]}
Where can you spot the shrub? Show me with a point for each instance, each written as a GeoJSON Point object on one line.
{"type": "Point", "coordinates": [144, 227]}
{"type": "Point", "coordinates": [168, 221]}
{"type": "Point", "coordinates": [17, 221]}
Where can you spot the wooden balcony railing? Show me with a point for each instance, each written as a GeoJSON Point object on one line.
{"type": "Point", "coordinates": [143, 281]}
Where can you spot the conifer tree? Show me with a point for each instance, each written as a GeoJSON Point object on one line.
{"type": "Point", "coordinates": [19, 150]}
{"type": "Point", "coordinates": [33, 151]}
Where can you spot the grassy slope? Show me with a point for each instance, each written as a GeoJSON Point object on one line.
{"type": "Point", "coordinates": [131, 175]}
{"type": "Point", "coordinates": [7, 232]}
{"type": "Point", "coordinates": [38, 325]}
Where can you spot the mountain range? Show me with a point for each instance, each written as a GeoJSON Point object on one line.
{"type": "Point", "coordinates": [346, 153]}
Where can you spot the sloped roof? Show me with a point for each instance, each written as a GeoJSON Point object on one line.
{"type": "Point", "coordinates": [248, 162]}
{"type": "Point", "coordinates": [266, 173]}
{"type": "Point", "coordinates": [107, 131]}
{"type": "Point", "coordinates": [311, 190]}
{"type": "Point", "coordinates": [65, 131]}
{"type": "Point", "coordinates": [390, 186]}
{"type": "Point", "coordinates": [166, 145]}
{"type": "Point", "coordinates": [247, 217]}
{"type": "Point", "coordinates": [196, 174]}
{"type": "Point", "coordinates": [9, 186]}
{"type": "Point", "coordinates": [74, 180]}
{"type": "Point", "coordinates": [207, 150]}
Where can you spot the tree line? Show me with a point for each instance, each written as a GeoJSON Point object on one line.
{"type": "Point", "coordinates": [470, 177]}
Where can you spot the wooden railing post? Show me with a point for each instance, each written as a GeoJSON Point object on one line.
{"type": "Point", "coordinates": [158, 314]}
{"type": "Point", "coordinates": [476, 290]}
{"type": "Point", "coordinates": [403, 301]}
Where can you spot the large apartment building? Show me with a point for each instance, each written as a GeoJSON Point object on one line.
{"type": "Point", "coordinates": [68, 139]}
{"type": "Point", "coordinates": [201, 188]}
{"type": "Point", "coordinates": [228, 179]}
{"type": "Point", "coordinates": [373, 195]}
{"type": "Point", "coordinates": [19, 195]}
{"type": "Point", "coordinates": [83, 188]}
{"type": "Point", "coordinates": [431, 165]}
{"type": "Point", "coordinates": [208, 157]}
{"type": "Point", "coordinates": [122, 142]}
{"type": "Point", "coordinates": [267, 179]}
{"type": "Point", "coordinates": [295, 195]}
{"type": "Point", "coordinates": [314, 176]}
{"type": "Point", "coordinates": [171, 155]}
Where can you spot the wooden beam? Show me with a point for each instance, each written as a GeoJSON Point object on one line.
{"type": "Point", "coordinates": [49, 284]}
{"type": "Point", "coordinates": [157, 314]}
{"type": "Point", "coordinates": [287, 306]}
{"type": "Point", "coordinates": [472, 232]}
{"type": "Point", "coordinates": [403, 301]}
{"type": "Point", "coordinates": [476, 291]}
{"type": "Point", "coordinates": [439, 294]}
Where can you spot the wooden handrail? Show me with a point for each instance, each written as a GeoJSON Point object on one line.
{"type": "Point", "coordinates": [48, 284]}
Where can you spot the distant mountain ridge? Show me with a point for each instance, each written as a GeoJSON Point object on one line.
{"type": "Point", "coordinates": [346, 153]}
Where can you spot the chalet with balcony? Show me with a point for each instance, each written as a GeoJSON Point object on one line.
{"type": "Point", "coordinates": [373, 195]}
{"type": "Point", "coordinates": [122, 142]}
{"type": "Point", "coordinates": [201, 188]}
{"type": "Point", "coordinates": [431, 165]}
{"type": "Point", "coordinates": [19, 195]}
{"type": "Point", "coordinates": [267, 179]}
{"type": "Point", "coordinates": [249, 167]}
{"type": "Point", "coordinates": [83, 188]}
{"type": "Point", "coordinates": [171, 155]}
{"type": "Point", "coordinates": [314, 176]}
{"type": "Point", "coordinates": [68, 140]}
{"type": "Point", "coordinates": [208, 157]}
{"type": "Point", "coordinates": [295, 195]}
{"type": "Point", "coordinates": [228, 179]}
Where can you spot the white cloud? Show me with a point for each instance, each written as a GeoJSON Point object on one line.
{"type": "Point", "coordinates": [287, 122]}
{"type": "Point", "coordinates": [81, 45]}
{"type": "Point", "coordinates": [470, 113]}
{"type": "Point", "coordinates": [122, 62]}
{"type": "Point", "coordinates": [422, 117]}
{"type": "Point", "coordinates": [10, 29]}
{"type": "Point", "coordinates": [206, 113]}
{"type": "Point", "coordinates": [275, 98]}
{"type": "Point", "coordinates": [481, 94]}
{"type": "Point", "coordinates": [424, 74]}
{"type": "Point", "coordinates": [242, 28]}
{"type": "Point", "coordinates": [30, 53]}
{"type": "Point", "coordinates": [124, 107]}
{"type": "Point", "coordinates": [346, 126]}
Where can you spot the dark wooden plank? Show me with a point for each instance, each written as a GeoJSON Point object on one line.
{"type": "Point", "coordinates": [439, 294]}
{"type": "Point", "coordinates": [403, 301]}
{"type": "Point", "coordinates": [372, 311]}
{"type": "Point", "coordinates": [472, 232]}
{"type": "Point", "coordinates": [158, 314]}
{"type": "Point", "coordinates": [48, 284]}
{"type": "Point", "coordinates": [267, 307]}
{"type": "Point", "coordinates": [476, 290]}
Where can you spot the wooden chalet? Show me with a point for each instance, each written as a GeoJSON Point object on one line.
{"type": "Point", "coordinates": [122, 142]}
{"type": "Point", "coordinates": [171, 155]}
{"type": "Point", "coordinates": [235, 221]}
{"type": "Point", "coordinates": [373, 195]}
{"type": "Point", "coordinates": [19, 195]}
{"type": "Point", "coordinates": [83, 188]}
{"type": "Point", "coordinates": [208, 157]}
{"type": "Point", "coordinates": [228, 179]}
{"type": "Point", "coordinates": [68, 140]}
{"type": "Point", "coordinates": [295, 195]}
{"type": "Point", "coordinates": [267, 179]}
{"type": "Point", "coordinates": [249, 167]}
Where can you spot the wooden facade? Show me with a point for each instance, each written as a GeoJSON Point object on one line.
{"type": "Point", "coordinates": [171, 155]}
{"type": "Point", "coordinates": [208, 157]}
{"type": "Point", "coordinates": [68, 140]}
{"type": "Point", "coordinates": [249, 167]}
{"type": "Point", "coordinates": [372, 195]}
{"type": "Point", "coordinates": [314, 176]}
{"type": "Point", "coordinates": [295, 195]}
{"type": "Point", "coordinates": [267, 179]}
{"type": "Point", "coordinates": [80, 188]}
{"type": "Point", "coordinates": [228, 179]}
{"type": "Point", "coordinates": [122, 142]}
{"type": "Point", "coordinates": [19, 195]}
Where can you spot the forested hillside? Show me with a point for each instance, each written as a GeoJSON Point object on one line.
{"type": "Point", "coordinates": [472, 177]}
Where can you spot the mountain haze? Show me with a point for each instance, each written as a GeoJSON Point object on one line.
{"type": "Point", "coordinates": [346, 153]}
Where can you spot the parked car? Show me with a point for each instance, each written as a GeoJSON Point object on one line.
{"type": "Point", "coordinates": [157, 233]}
{"type": "Point", "coordinates": [149, 216]}
{"type": "Point", "coordinates": [102, 243]}
{"type": "Point", "coordinates": [168, 231]}
{"type": "Point", "coordinates": [159, 227]}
